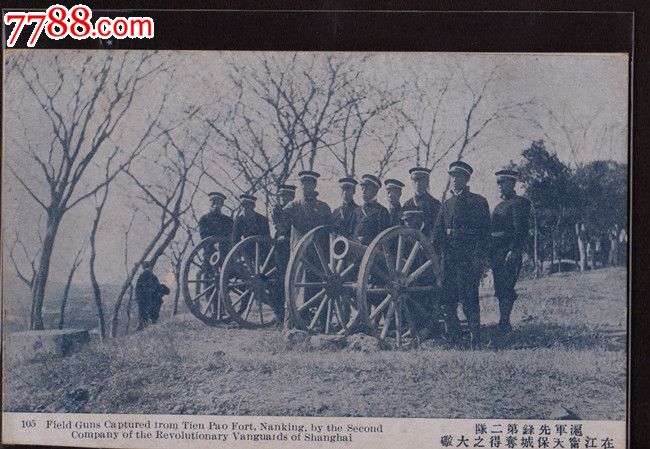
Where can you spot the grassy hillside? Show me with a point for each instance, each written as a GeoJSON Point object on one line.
{"type": "Point", "coordinates": [568, 349]}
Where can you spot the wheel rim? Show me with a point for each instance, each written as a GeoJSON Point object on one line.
{"type": "Point", "coordinates": [319, 288]}
{"type": "Point", "coordinates": [201, 280]}
{"type": "Point", "coordinates": [398, 285]}
{"type": "Point", "coordinates": [250, 283]}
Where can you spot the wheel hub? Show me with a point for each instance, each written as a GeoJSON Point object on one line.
{"type": "Point", "coordinates": [333, 284]}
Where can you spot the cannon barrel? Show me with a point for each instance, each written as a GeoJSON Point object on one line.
{"type": "Point", "coordinates": [342, 246]}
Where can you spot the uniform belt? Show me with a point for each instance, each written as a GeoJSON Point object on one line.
{"type": "Point", "coordinates": [500, 234]}
{"type": "Point", "coordinates": [462, 232]}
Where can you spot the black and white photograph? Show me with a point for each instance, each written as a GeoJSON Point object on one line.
{"type": "Point", "coordinates": [315, 234]}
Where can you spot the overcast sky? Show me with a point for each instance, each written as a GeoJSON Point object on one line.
{"type": "Point", "coordinates": [578, 88]}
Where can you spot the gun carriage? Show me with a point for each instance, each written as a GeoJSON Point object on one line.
{"type": "Point", "coordinates": [333, 284]}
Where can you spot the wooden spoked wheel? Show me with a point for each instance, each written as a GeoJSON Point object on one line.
{"type": "Point", "coordinates": [398, 285]}
{"type": "Point", "coordinates": [251, 283]}
{"type": "Point", "coordinates": [319, 287]}
{"type": "Point", "coordinates": [201, 280]}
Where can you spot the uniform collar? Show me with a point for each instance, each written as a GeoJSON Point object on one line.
{"type": "Point", "coordinates": [455, 193]}
{"type": "Point", "coordinates": [507, 196]}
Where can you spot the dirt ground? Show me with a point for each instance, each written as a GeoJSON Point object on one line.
{"type": "Point", "coordinates": [568, 349]}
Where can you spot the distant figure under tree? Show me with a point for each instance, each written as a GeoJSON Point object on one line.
{"type": "Point", "coordinates": [149, 294]}
{"type": "Point", "coordinates": [613, 248]}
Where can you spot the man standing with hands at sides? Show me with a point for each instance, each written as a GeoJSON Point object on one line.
{"type": "Point", "coordinates": [214, 223]}
{"type": "Point", "coordinates": [346, 216]}
{"type": "Point", "coordinates": [394, 193]}
{"type": "Point", "coordinates": [374, 217]}
{"type": "Point", "coordinates": [286, 194]}
{"type": "Point", "coordinates": [461, 235]}
{"type": "Point", "coordinates": [510, 224]}
{"type": "Point", "coordinates": [302, 215]}
{"type": "Point", "coordinates": [422, 199]}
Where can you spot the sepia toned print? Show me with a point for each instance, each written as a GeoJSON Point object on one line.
{"type": "Point", "coordinates": [399, 235]}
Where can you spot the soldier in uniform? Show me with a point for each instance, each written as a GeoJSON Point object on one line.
{"type": "Point", "coordinates": [302, 215]}
{"type": "Point", "coordinates": [509, 234]}
{"type": "Point", "coordinates": [214, 223]}
{"type": "Point", "coordinates": [249, 222]}
{"type": "Point", "coordinates": [422, 198]}
{"type": "Point", "coordinates": [286, 194]}
{"type": "Point", "coordinates": [374, 217]}
{"type": "Point", "coordinates": [346, 216]}
{"type": "Point", "coordinates": [394, 193]}
{"type": "Point", "coordinates": [461, 235]}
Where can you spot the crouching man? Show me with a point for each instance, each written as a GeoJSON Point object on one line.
{"type": "Point", "coordinates": [149, 294]}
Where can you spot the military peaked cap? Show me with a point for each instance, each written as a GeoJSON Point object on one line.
{"type": "Point", "coordinates": [371, 179]}
{"type": "Point", "coordinates": [393, 183]}
{"type": "Point", "coordinates": [245, 197]}
{"type": "Point", "coordinates": [286, 188]}
{"type": "Point", "coordinates": [509, 174]}
{"type": "Point", "coordinates": [418, 172]}
{"type": "Point", "coordinates": [309, 174]}
{"type": "Point", "coordinates": [217, 195]}
{"type": "Point", "coordinates": [460, 167]}
{"type": "Point", "coordinates": [348, 180]}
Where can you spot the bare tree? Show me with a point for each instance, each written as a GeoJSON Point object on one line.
{"type": "Point", "coordinates": [423, 119]}
{"type": "Point", "coordinates": [83, 104]}
{"type": "Point", "coordinates": [27, 278]}
{"type": "Point", "coordinates": [66, 291]}
{"type": "Point", "coordinates": [360, 106]}
{"type": "Point", "coordinates": [178, 250]}
{"type": "Point", "coordinates": [169, 198]}
{"type": "Point", "coordinates": [476, 120]}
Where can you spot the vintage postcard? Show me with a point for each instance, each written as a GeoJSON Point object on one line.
{"type": "Point", "coordinates": [300, 249]}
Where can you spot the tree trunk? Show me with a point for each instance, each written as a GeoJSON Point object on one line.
{"type": "Point", "coordinates": [129, 280]}
{"type": "Point", "coordinates": [535, 255]}
{"type": "Point", "coordinates": [97, 293]}
{"type": "Point", "coordinates": [66, 292]}
{"type": "Point", "coordinates": [38, 291]}
{"type": "Point", "coordinates": [129, 303]}
{"type": "Point", "coordinates": [177, 289]}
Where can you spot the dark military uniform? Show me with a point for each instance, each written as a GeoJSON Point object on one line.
{"type": "Point", "coordinates": [346, 217]}
{"type": "Point", "coordinates": [429, 206]}
{"type": "Point", "coordinates": [374, 219]}
{"type": "Point", "coordinates": [215, 224]}
{"type": "Point", "coordinates": [509, 233]}
{"type": "Point", "coordinates": [394, 214]}
{"type": "Point", "coordinates": [281, 231]}
{"type": "Point", "coordinates": [256, 224]}
{"type": "Point", "coordinates": [304, 214]}
{"type": "Point", "coordinates": [461, 235]}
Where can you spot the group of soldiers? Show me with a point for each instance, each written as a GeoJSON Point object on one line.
{"type": "Point", "coordinates": [461, 229]}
